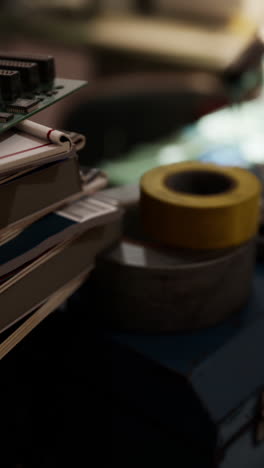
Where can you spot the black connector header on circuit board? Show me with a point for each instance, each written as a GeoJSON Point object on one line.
{"type": "Point", "coordinates": [45, 63]}
{"type": "Point", "coordinates": [10, 84]}
{"type": "Point", "coordinates": [29, 72]}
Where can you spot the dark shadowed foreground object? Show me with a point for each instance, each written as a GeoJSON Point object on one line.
{"type": "Point", "coordinates": [203, 389]}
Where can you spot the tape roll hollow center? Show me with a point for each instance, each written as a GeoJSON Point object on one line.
{"type": "Point", "coordinates": [200, 182]}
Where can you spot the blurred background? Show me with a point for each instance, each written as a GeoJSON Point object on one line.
{"type": "Point", "coordinates": [168, 80]}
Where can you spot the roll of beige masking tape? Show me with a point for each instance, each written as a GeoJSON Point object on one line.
{"type": "Point", "coordinates": [146, 288]}
{"type": "Point", "coordinates": [200, 206]}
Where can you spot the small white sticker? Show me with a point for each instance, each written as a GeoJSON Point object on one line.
{"type": "Point", "coordinates": [86, 208]}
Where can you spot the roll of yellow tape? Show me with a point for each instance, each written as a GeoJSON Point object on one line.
{"type": "Point", "coordinates": [200, 206]}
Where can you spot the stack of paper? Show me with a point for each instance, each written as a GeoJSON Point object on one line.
{"type": "Point", "coordinates": [39, 172]}
{"type": "Point", "coordinates": [52, 224]}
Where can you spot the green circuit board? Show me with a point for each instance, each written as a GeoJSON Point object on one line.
{"type": "Point", "coordinates": [40, 99]}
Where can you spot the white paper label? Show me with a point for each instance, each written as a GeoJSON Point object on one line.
{"type": "Point", "coordinates": [86, 208]}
